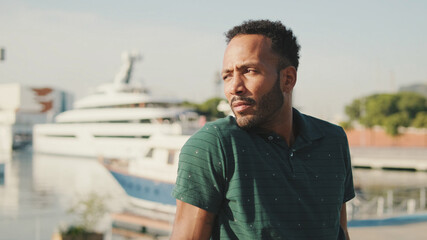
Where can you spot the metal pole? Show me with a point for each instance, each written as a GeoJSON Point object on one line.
{"type": "Point", "coordinates": [411, 206]}
{"type": "Point", "coordinates": [390, 201]}
{"type": "Point", "coordinates": [380, 206]}
{"type": "Point", "coordinates": [2, 54]}
{"type": "Point", "coordinates": [422, 198]}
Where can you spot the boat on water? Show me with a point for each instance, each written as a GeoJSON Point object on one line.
{"type": "Point", "coordinates": [116, 121]}
{"type": "Point", "coordinates": [2, 173]}
{"type": "Point", "coordinates": [149, 180]}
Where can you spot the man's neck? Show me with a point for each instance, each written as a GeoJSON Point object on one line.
{"type": "Point", "coordinates": [283, 125]}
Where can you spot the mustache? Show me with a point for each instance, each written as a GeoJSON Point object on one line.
{"type": "Point", "coordinates": [247, 100]}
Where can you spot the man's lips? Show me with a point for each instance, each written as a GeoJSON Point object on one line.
{"type": "Point", "coordinates": [240, 106]}
{"type": "Point", "coordinates": [240, 103]}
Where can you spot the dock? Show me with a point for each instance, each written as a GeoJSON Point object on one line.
{"type": "Point", "coordinates": [414, 231]}
{"type": "Point", "coordinates": [411, 159]}
{"type": "Point", "coordinates": [135, 226]}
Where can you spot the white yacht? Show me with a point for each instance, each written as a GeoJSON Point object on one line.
{"type": "Point", "coordinates": [116, 121]}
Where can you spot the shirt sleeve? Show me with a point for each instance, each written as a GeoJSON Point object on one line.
{"type": "Point", "coordinates": [200, 181]}
{"type": "Point", "coordinates": [348, 183]}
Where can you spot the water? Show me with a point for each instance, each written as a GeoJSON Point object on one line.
{"type": "Point", "coordinates": [37, 190]}
{"type": "Point", "coordinates": [384, 194]}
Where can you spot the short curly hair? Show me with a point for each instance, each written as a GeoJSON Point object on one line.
{"type": "Point", "coordinates": [284, 42]}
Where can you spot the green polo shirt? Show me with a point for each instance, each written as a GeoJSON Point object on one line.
{"type": "Point", "coordinates": [260, 188]}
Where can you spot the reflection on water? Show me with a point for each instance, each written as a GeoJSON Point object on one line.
{"type": "Point", "coordinates": [72, 177]}
{"type": "Point", "coordinates": [39, 190]}
{"type": "Point", "coordinates": [382, 194]}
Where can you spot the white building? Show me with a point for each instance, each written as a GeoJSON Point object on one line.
{"type": "Point", "coordinates": [21, 107]}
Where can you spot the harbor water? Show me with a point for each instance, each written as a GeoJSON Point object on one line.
{"type": "Point", "coordinates": [39, 190]}
{"type": "Point", "coordinates": [36, 192]}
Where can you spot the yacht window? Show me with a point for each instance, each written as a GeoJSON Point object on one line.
{"type": "Point", "coordinates": [118, 121]}
{"type": "Point", "coordinates": [171, 157]}
{"type": "Point", "coordinates": [150, 153]}
{"type": "Point", "coordinates": [112, 121]}
{"type": "Point", "coordinates": [106, 136]}
{"type": "Point", "coordinates": [167, 120]}
{"type": "Point", "coordinates": [60, 136]}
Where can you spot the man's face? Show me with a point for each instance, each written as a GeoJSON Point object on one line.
{"type": "Point", "coordinates": [252, 80]}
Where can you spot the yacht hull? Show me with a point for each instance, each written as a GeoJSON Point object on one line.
{"type": "Point", "coordinates": [149, 180]}
{"type": "Point", "coordinates": [147, 196]}
{"type": "Point", "coordinates": [98, 139]}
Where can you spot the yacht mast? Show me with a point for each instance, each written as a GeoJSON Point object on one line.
{"type": "Point", "coordinates": [124, 74]}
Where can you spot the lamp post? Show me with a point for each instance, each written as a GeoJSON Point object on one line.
{"type": "Point", "coordinates": [2, 54]}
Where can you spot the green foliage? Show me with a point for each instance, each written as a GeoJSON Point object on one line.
{"type": "Point", "coordinates": [412, 104]}
{"type": "Point", "coordinates": [390, 111]}
{"type": "Point", "coordinates": [420, 120]}
{"type": "Point", "coordinates": [75, 231]}
{"type": "Point", "coordinates": [89, 210]}
{"type": "Point", "coordinates": [353, 110]}
{"type": "Point", "coordinates": [347, 125]}
{"type": "Point", "coordinates": [209, 108]}
{"type": "Point", "coordinates": [394, 121]}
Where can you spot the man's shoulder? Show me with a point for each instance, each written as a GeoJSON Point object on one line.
{"type": "Point", "coordinates": [228, 122]}
{"type": "Point", "coordinates": [221, 127]}
{"type": "Point", "coordinates": [327, 128]}
{"type": "Point", "coordinates": [218, 129]}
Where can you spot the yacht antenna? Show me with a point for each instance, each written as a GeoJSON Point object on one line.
{"type": "Point", "coordinates": [124, 74]}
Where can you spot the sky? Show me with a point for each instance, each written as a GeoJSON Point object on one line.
{"type": "Point", "coordinates": [348, 49]}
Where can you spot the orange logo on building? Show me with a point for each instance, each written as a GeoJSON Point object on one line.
{"type": "Point", "coordinates": [42, 91]}
{"type": "Point", "coordinates": [46, 106]}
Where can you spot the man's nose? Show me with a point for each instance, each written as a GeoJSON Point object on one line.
{"type": "Point", "coordinates": [237, 85]}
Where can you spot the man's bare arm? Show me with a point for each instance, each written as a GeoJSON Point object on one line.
{"type": "Point", "coordinates": [192, 222]}
{"type": "Point", "coordinates": [343, 221]}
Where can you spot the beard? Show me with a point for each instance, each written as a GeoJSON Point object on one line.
{"type": "Point", "coordinates": [267, 106]}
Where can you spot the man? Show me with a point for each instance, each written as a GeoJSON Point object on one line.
{"type": "Point", "coordinates": [270, 172]}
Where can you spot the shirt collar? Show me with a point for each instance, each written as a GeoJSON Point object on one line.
{"type": "Point", "coordinates": [307, 131]}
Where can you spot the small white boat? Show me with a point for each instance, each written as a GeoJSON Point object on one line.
{"type": "Point", "coordinates": [149, 180]}
{"type": "Point", "coordinates": [2, 173]}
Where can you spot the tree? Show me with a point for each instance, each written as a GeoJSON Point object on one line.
{"type": "Point", "coordinates": [209, 108]}
{"type": "Point", "coordinates": [390, 111]}
{"type": "Point", "coordinates": [411, 103]}
{"type": "Point", "coordinates": [394, 121]}
{"type": "Point", "coordinates": [353, 110]}
{"type": "Point", "coordinates": [420, 120]}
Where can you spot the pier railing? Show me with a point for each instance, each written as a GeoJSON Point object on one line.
{"type": "Point", "coordinates": [387, 203]}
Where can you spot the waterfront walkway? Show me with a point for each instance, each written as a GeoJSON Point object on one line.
{"type": "Point", "coordinates": [414, 159]}
{"type": "Point", "coordinates": [414, 231]}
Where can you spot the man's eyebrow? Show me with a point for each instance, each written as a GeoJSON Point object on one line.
{"type": "Point", "coordinates": [225, 72]}
{"type": "Point", "coordinates": [242, 66]}
{"type": "Point", "coordinates": [248, 65]}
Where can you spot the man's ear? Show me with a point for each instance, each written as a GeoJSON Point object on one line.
{"type": "Point", "coordinates": [288, 79]}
